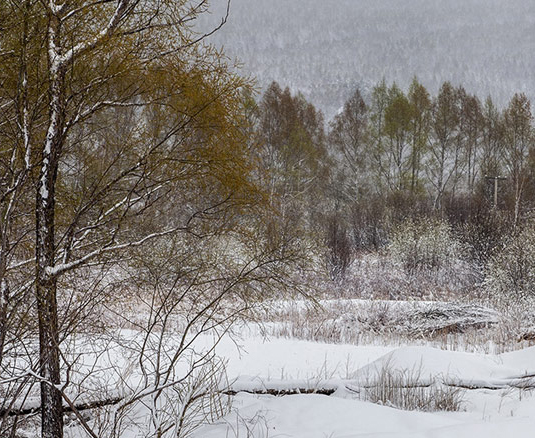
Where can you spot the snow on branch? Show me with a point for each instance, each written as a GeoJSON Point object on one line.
{"type": "Point", "coordinates": [65, 267]}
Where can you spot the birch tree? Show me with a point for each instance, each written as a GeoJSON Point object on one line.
{"type": "Point", "coordinates": [349, 138]}
{"type": "Point", "coordinates": [398, 115]}
{"type": "Point", "coordinates": [472, 122]}
{"type": "Point", "coordinates": [442, 164]}
{"type": "Point", "coordinates": [518, 140]}
{"type": "Point", "coordinates": [420, 102]}
{"type": "Point", "coordinates": [114, 118]}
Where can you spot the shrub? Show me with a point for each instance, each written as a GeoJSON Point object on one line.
{"type": "Point", "coordinates": [424, 245]}
{"type": "Point", "coordinates": [339, 251]}
{"type": "Point", "coordinates": [510, 273]}
{"type": "Point", "coordinates": [482, 234]}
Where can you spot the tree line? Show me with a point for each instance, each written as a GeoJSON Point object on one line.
{"type": "Point", "coordinates": [440, 148]}
{"type": "Point", "coordinates": [391, 155]}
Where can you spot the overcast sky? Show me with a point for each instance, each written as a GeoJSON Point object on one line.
{"type": "Point", "coordinates": [325, 48]}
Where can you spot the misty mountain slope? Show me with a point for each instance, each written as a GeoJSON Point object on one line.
{"type": "Point", "coordinates": [326, 47]}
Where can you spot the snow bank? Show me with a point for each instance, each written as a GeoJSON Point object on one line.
{"type": "Point", "coordinates": [456, 368]}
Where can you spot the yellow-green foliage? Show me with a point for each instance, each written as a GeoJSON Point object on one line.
{"type": "Point", "coordinates": [154, 120]}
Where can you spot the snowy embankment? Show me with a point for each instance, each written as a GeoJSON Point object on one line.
{"type": "Point", "coordinates": [426, 365]}
{"type": "Point", "coordinates": [467, 370]}
{"type": "Point", "coordinates": [496, 401]}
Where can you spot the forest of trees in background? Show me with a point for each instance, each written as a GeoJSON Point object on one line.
{"type": "Point", "coordinates": [394, 157]}
{"type": "Point", "coordinates": [325, 48]}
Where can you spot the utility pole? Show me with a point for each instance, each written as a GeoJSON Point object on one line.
{"type": "Point", "coordinates": [496, 179]}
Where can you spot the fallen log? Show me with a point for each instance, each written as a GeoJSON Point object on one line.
{"type": "Point", "coordinates": [15, 412]}
{"type": "Point", "coordinates": [525, 382]}
{"type": "Point", "coordinates": [517, 384]}
{"type": "Point", "coordinates": [82, 406]}
{"type": "Point", "coordinates": [283, 392]}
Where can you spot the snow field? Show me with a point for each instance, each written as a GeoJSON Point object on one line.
{"type": "Point", "coordinates": [505, 410]}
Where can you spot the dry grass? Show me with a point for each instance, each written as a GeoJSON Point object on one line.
{"type": "Point", "coordinates": [389, 323]}
{"type": "Point", "coordinates": [405, 389]}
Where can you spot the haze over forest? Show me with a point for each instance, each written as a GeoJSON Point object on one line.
{"type": "Point", "coordinates": [326, 48]}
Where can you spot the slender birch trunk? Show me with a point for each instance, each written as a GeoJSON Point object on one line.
{"type": "Point", "coordinates": [46, 280]}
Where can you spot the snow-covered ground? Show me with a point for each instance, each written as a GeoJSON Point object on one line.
{"type": "Point", "coordinates": [290, 359]}
{"type": "Point", "coordinates": [500, 407]}
{"type": "Point", "coordinates": [492, 395]}
{"type": "Point", "coordinates": [317, 416]}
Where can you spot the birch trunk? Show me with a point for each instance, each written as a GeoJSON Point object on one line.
{"type": "Point", "coordinates": [46, 282]}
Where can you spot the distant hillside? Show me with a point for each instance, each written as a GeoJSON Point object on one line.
{"type": "Point", "coordinates": [326, 47]}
